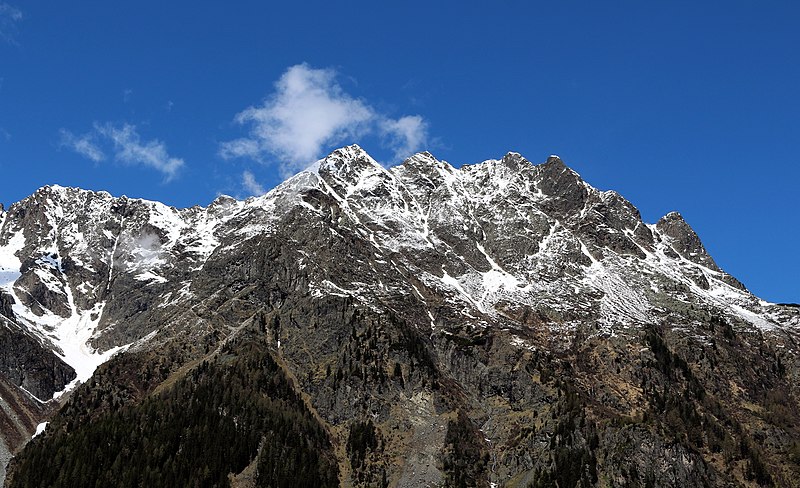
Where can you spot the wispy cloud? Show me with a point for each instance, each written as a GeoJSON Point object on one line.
{"type": "Point", "coordinates": [9, 17]}
{"type": "Point", "coordinates": [307, 114]}
{"type": "Point", "coordinates": [405, 135]}
{"type": "Point", "coordinates": [250, 185]}
{"type": "Point", "coordinates": [130, 149]}
{"type": "Point", "coordinates": [84, 145]}
{"type": "Point", "coordinates": [127, 146]}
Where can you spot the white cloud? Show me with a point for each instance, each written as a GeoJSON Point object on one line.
{"type": "Point", "coordinates": [308, 113]}
{"type": "Point", "coordinates": [309, 110]}
{"type": "Point", "coordinates": [126, 145]}
{"type": "Point", "coordinates": [84, 145]}
{"type": "Point", "coordinates": [131, 150]}
{"type": "Point", "coordinates": [250, 184]}
{"type": "Point", "coordinates": [9, 16]}
{"type": "Point", "coordinates": [405, 135]}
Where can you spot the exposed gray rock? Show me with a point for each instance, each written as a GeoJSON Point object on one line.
{"type": "Point", "coordinates": [5, 456]}
{"type": "Point", "coordinates": [27, 363]}
{"type": "Point", "coordinates": [684, 241]}
{"type": "Point", "coordinates": [6, 301]}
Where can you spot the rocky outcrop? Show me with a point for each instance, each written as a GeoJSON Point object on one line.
{"type": "Point", "coordinates": [683, 240]}
{"type": "Point", "coordinates": [6, 301]}
{"type": "Point", "coordinates": [31, 365]}
{"type": "Point", "coordinates": [20, 414]}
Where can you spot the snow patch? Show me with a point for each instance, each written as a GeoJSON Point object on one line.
{"type": "Point", "coordinates": [40, 429]}
{"type": "Point", "coordinates": [9, 262]}
{"type": "Point", "coordinates": [455, 284]}
{"type": "Point", "coordinates": [32, 395]}
{"type": "Point", "coordinates": [497, 278]}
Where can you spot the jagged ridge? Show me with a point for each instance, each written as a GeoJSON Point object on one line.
{"type": "Point", "coordinates": [528, 255]}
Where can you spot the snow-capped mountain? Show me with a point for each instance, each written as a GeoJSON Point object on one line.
{"type": "Point", "coordinates": [473, 273]}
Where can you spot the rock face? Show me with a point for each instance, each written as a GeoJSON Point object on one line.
{"type": "Point", "coordinates": [501, 324]}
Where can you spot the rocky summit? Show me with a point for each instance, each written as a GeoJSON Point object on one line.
{"type": "Point", "coordinates": [503, 324]}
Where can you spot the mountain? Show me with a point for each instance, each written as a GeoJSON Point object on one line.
{"type": "Point", "coordinates": [501, 324]}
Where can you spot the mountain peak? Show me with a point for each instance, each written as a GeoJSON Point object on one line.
{"type": "Point", "coordinates": [684, 240]}
{"type": "Point", "coordinates": [566, 188]}
{"type": "Point", "coordinates": [425, 162]}
{"type": "Point", "coordinates": [347, 168]}
{"type": "Point", "coordinates": [515, 161]}
{"type": "Point", "coordinates": [222, 201]}
{"type": "Point", "coordinates": [49, 190]}
{"type": "Point", "coordinates": [353, 151]}
{"type": "Point", "coordinates": [422, 156]}
{"type": "Point", "coordinates": [347, 160]}
{"type": "Point", "coordinates": [65, 194]}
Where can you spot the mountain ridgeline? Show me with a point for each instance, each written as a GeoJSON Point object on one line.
{"type": "Point", "coordinates": [503, 324]}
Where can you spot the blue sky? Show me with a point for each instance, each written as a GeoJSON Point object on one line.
{"type": "Point", "coordinates": [687, 106]}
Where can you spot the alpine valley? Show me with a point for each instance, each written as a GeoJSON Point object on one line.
{"type": "Point", "coordinates": [504, 324]}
